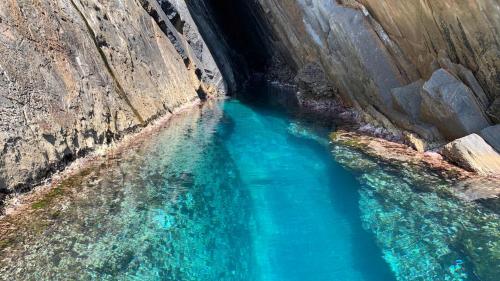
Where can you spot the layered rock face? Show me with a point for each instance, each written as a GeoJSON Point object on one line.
{"type": "Point", "coordinates": [466, 31]}
{"type": "Point", "coordinates": [77, 74]}
{"type": "Point", "coordinates": [369, 48]}
{"type": "Point", "coordinates": [428, 67]}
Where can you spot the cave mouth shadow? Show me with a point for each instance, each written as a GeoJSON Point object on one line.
{"type": "Point", "coordinates": [243, 31]}
{"type": "Point", "coordinates": [236, 35]}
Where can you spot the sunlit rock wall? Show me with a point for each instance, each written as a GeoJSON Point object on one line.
{"type": "Point", "coordinates": [77, 74]}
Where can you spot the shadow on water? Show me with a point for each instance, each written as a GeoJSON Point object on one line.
{"type": "Point", "coordinates": [276, 109]}
{"type": "Point", "coordinates": [421, 231]}
{"type": "Point", "coordinates": [345, 199]}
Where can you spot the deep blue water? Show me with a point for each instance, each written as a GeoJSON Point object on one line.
{"type": "Point", "coordinates": [247, 190]}
{"type": "Point", "coordinates": [306, 224]}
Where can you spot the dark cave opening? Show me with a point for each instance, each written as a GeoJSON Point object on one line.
{"type": "Point", "coordinates": [237, 37]}
{"type": "Point", "coordinates": [243, 32]}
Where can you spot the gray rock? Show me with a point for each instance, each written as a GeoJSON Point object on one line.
{"type": "Point", "coordinates": [182, 19]}
{"type": "Point", "coordinates": [451, 106]}
{"type": "Point", "coordinates": [466, 76]}
{"type": "Point", "coordinates": [492, 136]}
{"type": "Point", "coordinates": [470, 80]}
{"type": "Point", "coordinates": [407, 99]}
{"type": "Point", "coordinates": [474, 154]}
{"type": "Point", "coordinates": [369, 47]}
{"type": "Point", "coordinates": [313, 82]}
{"type": "Point", "coordinates": [77, 75]}
{"type": "Point", "coordinates": [204, 20]}
{"type": "Point", "coordinates": [494, 111]}
{"type": "Point", "coordinates": [467, 31]}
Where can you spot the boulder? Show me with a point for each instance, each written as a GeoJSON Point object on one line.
{"type": "Point", "coordinates": [474, 154]}
{"type": "Point", "coordinates": [407, 99]}
{"type": "Point", "coordinates": [492, 136]}
{"type": "Point", "coordinates": [451, 106]}
{"type": "Point", "coordinates": [467, 77]}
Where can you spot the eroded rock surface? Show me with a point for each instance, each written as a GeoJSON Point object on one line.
{"type": "Point", "coordinates": [467, 31]}
{"type": "Point", "coordinates": [77, 74]}
{"type": "Point", "coordinates": [369, 48]}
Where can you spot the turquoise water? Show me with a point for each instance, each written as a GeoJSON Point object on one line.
{"type": "Point", "coordinates": [305, 224]}
{"type": "Point", "coordinates": [241, 190]}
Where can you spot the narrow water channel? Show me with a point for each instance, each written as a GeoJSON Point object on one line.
{"type": "Point", "coordinates": [239, 191]}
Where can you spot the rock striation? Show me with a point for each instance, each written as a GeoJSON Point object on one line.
{"type": "Point", "coordinates": [78, 74]}
{"type": "Point", "coordinates": [370, 49]}
{"type": "Point", "coordinates": [428, 68]}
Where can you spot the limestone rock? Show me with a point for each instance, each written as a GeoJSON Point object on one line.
{"type": "Point", "coordinates": [474, 154]}
{"type": "Point", "coordinates": [492, 136]}
{"type": "Point", "coordinates": [451, 106]}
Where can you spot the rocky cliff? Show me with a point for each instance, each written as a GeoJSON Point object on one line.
{"type": "Point", "coordinates": [428, 67]}
{"type": "Point", "coordinates": [78, 74]}
{"type": "Point", "coordinates": [369, 48]}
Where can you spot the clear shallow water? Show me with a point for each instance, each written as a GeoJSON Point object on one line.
{"type": "Point", "coordinates": [238, 191]}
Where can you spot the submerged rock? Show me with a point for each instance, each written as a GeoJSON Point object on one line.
{"type": "Point", "coordinates": [469, 186]}
{"type": "Point", "coordinates": [474, 154]}
{"type": "Point", "coordinates": [424, 233]}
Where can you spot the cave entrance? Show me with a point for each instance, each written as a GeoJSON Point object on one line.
{"type": "Point", "coordinates": [234, 26]}
{"type": "Point", "coordinates": [243, 32]}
